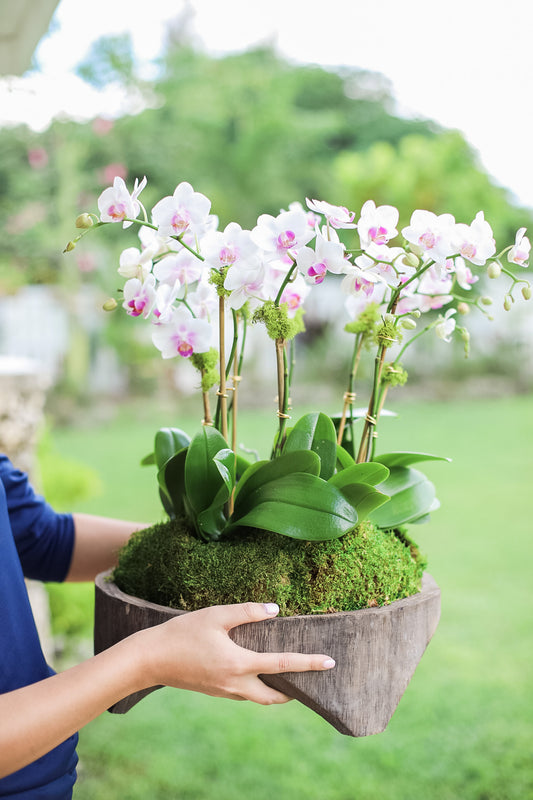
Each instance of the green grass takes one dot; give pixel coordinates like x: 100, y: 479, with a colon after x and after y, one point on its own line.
x: 464, y: 728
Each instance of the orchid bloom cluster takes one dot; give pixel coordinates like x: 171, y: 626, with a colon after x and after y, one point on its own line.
x: 169, y: 275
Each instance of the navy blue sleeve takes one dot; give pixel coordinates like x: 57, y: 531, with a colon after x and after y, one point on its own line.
x: 44, y: 538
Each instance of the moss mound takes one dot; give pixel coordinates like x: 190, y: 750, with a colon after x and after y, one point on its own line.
x: 365, y: 567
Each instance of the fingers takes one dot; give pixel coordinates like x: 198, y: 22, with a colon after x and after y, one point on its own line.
x: 238, y: 614
x: 273, y: 663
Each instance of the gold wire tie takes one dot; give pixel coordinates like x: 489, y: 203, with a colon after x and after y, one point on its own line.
x: 371, y: 420
x: 349, y: 397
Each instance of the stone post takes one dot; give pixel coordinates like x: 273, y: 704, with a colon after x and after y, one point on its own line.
x: 22, y: 396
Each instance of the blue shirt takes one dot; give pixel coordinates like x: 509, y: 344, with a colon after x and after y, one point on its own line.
x: 35, y: 542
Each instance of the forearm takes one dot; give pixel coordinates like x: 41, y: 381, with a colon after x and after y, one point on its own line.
x: 96, y: 544
x: 36, y: 718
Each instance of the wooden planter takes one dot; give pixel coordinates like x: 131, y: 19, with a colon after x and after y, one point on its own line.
x: 376, y: 650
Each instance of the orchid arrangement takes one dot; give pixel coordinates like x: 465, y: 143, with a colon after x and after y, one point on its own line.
x: 199, y: 288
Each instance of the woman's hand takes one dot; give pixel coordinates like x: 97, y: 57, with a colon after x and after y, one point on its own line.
x: 194, y: 651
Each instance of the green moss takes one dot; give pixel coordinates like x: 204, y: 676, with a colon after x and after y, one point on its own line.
x: 365, y: 567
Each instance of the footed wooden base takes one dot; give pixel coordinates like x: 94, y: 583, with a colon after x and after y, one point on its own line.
x: 376, y: 651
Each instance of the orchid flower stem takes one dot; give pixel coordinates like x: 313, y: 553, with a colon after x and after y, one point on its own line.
x: 286, y: 280
x: 208, y: 419
x: 349, y: 394
x: 283, y: 375
x: 223, y: 397
x: 369, y: 430
x: 411, y: 340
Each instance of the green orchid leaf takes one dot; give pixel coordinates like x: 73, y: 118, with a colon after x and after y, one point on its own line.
x: 211, y: 522
x: 344, y: 459
x: 225, y: 463
x: 368, y: 472
x: 405, y: 459
x: 301, y: 506
x: 263, y: 472
x: 364, y: 497
x: 315, y: 432
x: 241, y: 465
x: 203, y: 474
x: 411, y: 496
x: 168, y: 442
x: 171, y: 480
x: 148, y: 460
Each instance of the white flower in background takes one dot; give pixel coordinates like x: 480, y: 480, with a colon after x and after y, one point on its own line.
x: 385, y: 262
x: 183, y: 335
x: 336, y: 216
x: 156, y: 244
x: 134, y: 263
x: 519, y: 252
x: 232, y: 247
x: 377, y: 225
x: 182, y: 266
x: 433, y: 289
x: 463, y: 274
x: 431, y: 234
x: 283, y: 235
x: 294, y: 294
x: 329, y: 255
x: 312, y: 219
x: 185, y: 211
x: 165, y: 297
x: 475, y: 242
x: 358, y: 300
x: 203, y: 300
x: 116, y: 204
x: 245, y: 284
x: 139, y: 296
x: 446, y: 325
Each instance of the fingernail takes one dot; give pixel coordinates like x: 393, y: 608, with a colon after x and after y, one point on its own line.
x: 328, y: 663
x: 272, y: 608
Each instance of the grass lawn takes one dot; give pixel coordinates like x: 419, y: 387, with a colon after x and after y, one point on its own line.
x: 464, y: 728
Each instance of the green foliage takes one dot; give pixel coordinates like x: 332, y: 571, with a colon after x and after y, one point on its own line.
x: 65, y: 481
x: 277, y: 321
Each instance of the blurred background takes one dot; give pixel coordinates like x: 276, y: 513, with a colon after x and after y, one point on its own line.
x: 258, y: 107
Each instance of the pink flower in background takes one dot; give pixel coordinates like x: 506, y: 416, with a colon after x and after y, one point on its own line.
x: 139, y: 296
x: 463, y: 274
x: 116, y: 204
x: 433, y: 290
x: 183, y: 335
x: 245, y: 284
x: 102, y: 126
x: 86, y: 262
x: 204, y: 300
x: 165, y: 296
x: 519, y: 252
x: 37, y: 158
x: 377, y: 225
x: 186, y: 210
x: 112, y: 171
x: 475, y: 242
x: 294, y: 294
x: 282, y: 235
x: 336, y: 216
x: 431, y: 235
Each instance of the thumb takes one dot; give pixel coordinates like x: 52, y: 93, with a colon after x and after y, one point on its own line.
x: 241, y: 613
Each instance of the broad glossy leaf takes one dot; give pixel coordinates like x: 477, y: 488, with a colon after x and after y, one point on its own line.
x: 225, y: 462
x: 203, y: 477
x: 344, y: 458
x: 368, y: 472
x: 148, y: 460
x: 171, y: 479
x: 405, y: 459
x: 262, y: 472
x: 411, y: 496
x: 315, y: 432
x: 211, y: 522
x: 301, y: 506
x: 168, y: 442
x: 364, y: 497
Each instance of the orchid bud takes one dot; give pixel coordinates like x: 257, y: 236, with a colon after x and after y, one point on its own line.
x: 486, y: 300
x: 110, y: 304
x: 508, y: 302
x: 411, y: 260
x: 389, y: 318
x: 70, y: 246
x: 494, y: 270
x: 463, y: 308
x: 416, y: 313
x: 408, y: 323
x: 526, y: 292
x: 84, y: 221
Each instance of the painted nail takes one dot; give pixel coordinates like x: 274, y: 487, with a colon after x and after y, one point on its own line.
x: 328, y: 663
x: 272, y: 608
